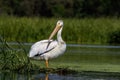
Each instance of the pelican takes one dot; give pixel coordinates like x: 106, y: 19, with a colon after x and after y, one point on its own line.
x: 48, y: 49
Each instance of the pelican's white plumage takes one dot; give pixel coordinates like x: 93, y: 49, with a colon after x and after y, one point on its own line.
x: 47, y: 49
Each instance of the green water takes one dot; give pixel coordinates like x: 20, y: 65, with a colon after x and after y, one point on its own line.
x: 82, y: 58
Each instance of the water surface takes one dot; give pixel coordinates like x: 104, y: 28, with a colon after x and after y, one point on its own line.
x: 78, y: 54
x: 54, y: 76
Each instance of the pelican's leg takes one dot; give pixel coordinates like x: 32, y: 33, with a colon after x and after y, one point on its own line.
x: 46, y: 61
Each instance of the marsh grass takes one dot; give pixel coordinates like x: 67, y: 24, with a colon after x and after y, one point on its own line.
x: 84, y: 31
x: 11, y: 59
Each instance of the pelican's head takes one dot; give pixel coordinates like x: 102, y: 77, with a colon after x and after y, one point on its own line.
x: 59, y: 23
x: 57, y: 28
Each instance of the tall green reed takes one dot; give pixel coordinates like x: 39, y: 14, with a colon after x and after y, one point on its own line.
x: 84, y: 31
x: 11, y: 59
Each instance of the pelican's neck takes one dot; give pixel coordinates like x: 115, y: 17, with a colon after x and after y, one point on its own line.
x: 59, y: 38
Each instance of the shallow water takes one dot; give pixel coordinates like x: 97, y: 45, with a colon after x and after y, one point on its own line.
x: 72, y: 49
x: 51, y: 76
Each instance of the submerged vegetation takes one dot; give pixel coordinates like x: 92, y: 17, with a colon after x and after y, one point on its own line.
x: 12, y: 59
x: 84, y: 31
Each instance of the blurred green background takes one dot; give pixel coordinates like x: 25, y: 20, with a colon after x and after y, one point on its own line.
x: 60, y: 8
x: 85, y: 21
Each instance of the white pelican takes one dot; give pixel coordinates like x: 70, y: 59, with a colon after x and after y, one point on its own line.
x: 47, y: 49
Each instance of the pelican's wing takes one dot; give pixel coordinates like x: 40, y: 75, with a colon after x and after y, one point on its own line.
x: 39, y: 48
